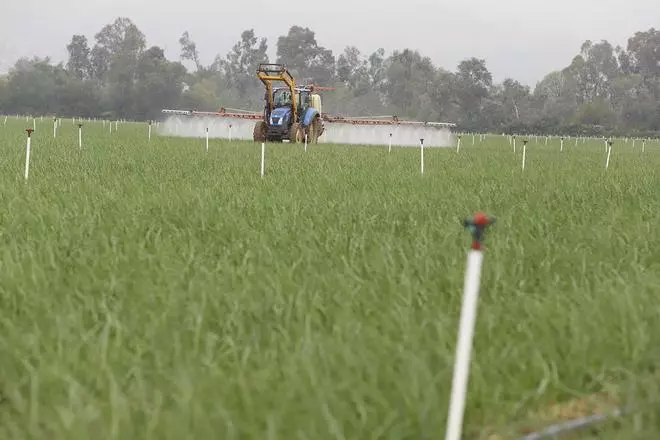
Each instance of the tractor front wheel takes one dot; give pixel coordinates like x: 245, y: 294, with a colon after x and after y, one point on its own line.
x: 260, y: 131
x: 295, y: 133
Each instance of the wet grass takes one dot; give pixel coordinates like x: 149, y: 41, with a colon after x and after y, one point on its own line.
x: 152, y: 290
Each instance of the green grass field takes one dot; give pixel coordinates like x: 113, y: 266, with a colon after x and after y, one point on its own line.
x: 151, y: 290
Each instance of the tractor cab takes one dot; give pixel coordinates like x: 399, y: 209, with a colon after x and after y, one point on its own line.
x: 290, y: 113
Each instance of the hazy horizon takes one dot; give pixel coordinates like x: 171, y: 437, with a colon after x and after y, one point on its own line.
x: 524, y: 40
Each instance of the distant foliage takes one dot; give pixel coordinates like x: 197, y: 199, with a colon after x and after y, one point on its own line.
x: 604, y: 90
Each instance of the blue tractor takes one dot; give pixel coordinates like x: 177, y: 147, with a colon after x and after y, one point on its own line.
x: 290, y: 113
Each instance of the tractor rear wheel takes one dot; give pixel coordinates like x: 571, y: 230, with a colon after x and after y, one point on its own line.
x: 295, y: 133
x: 315, y: 130
x: 260, y: 131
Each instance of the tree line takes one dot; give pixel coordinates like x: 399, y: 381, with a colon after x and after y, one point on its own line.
x: 605, y: 90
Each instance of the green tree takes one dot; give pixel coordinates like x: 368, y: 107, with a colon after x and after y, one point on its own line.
x: 79, y: 65
x: 240, y: 65
x: 353, y: 70
x: 189, y: 51
x: 473, y: 81
x: 158, y: 85
x: 308, y: 61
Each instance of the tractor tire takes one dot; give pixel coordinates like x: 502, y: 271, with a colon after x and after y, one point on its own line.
x: 296, y: 134
x: 260, y: 131
x: 311, y: 134
x: 316, y: 130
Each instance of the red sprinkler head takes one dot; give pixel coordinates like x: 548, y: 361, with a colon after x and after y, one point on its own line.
x: 477, y: 226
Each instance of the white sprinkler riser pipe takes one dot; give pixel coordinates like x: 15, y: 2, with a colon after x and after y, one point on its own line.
x: 607, y: 161
x: 421, y: 156
x: 27, y: 158
x: 263, y: 158
x: 464, y: 345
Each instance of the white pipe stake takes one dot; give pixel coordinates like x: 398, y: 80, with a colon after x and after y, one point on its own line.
x: 464, y: 345
x: 421, y: 155
x: 229, y: 132
x: 561, y: 145
x: 27, y: 154
x: 54, y: 128
x: 609, y: 153
x: 458, y: 144
x: 263, y: 158
x: 207, y: 139
x: 514, y: 144
x: 80, y: 136
x: 643, y: 146
x: 305, y: 142
x: 524, y: 154
x: 389, y: 150
x: 149, y: 130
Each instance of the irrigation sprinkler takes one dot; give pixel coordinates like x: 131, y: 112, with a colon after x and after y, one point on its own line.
x: 207, y: 139
x: 80, y: 136
x: 421, y: 155
x: 263, y: 158
x: 477, y: 226
x: 524, y: 153
x: 27, y: 152
x: 458, y: 144
x: 609, y: 153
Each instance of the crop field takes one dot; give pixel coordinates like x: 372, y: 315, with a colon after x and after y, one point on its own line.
x: 153, y: 290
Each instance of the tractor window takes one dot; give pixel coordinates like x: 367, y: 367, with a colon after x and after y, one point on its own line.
x: 304, y: 100
x: 282, y: 98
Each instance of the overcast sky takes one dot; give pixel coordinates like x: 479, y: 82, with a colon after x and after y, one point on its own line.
x: 523, y: 39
